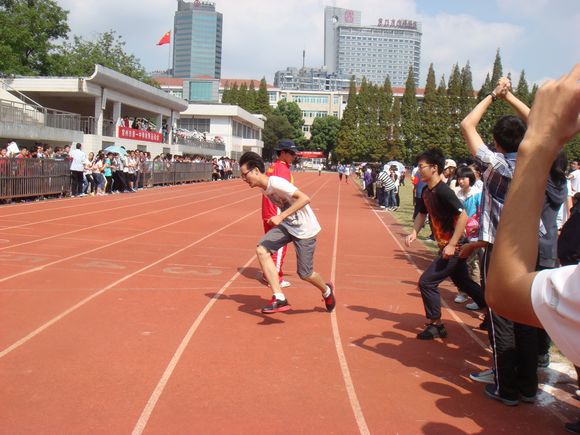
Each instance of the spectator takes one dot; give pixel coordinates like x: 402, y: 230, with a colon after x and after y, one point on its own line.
x: 78, y: 158
x: 548, y: 298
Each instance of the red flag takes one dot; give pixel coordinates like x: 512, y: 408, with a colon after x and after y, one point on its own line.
x: 165, y: 39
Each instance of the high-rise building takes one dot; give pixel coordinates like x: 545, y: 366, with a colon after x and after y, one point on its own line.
x: 375, y: 52
x: 197, y: 42
x: 310, y: 79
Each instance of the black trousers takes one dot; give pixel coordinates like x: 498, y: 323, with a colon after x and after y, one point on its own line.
x: 515, y: 351
x: 454, y: 268
x: 77, y: 182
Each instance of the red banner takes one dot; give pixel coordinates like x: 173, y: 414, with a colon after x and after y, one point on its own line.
x: 310, y: 154
x: 133, y: 133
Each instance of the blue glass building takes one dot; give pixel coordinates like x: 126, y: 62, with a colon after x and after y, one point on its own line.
x: 197, y: 41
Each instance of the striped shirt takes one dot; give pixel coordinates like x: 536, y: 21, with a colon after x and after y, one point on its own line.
x: 385, y: 181
x: 497, y: 176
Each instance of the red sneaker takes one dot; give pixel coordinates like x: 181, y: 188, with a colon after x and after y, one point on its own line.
x: 276, y: 306
x: 330, y: 301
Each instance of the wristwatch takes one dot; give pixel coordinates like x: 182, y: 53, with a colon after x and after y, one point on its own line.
x: 493, y: 96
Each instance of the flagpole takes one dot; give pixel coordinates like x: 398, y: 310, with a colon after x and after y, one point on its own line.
x: 169, y: 55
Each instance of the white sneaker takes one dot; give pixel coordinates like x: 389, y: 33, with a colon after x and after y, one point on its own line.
x: 472, y: 306
x: 486, y: 376
x: 284, y: 284
x: 460, y: 298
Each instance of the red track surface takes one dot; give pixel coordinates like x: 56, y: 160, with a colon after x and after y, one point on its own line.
x: 140, y: 313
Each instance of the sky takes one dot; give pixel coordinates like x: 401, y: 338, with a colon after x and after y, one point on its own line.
x: 261, y: 37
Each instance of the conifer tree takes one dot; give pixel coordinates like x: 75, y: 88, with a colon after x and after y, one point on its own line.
x: 385, y: 118
x: 467, y: 93
x: 243, y: 99
x: 251, y: 98
x: 428, y: 113
x: 533, y: 94
x: 455, y: 113
x: 262, y: 99
x: 443, y: 140
x: 233, y: 94
x: 409, y: 119
x: 394, y: 151
x: 522, y: 90
x: 348, y: 134
x: 226, y: 93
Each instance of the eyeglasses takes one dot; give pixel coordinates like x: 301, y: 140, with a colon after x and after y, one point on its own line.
x: 243, y: 174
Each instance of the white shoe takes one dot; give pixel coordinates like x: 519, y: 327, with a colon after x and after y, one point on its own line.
x: 472, y: 306
x: 284, y: 284
x: 460, y: 298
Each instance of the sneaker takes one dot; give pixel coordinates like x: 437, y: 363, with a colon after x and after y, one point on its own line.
x: 284, y: 284
x: 330, y: 301
x: 472, y: 306
x: 460, y: 298
x: 573, y: 427
x: 492, y: 392
x: 528, y: 399
x: 486, y: 376
x: 276, y: 306
x: 544, y: 360
x: 432, y: 331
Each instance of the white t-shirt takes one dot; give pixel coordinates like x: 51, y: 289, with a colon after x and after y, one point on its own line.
x: 78, y: 159
x: 575, y: 181
x: 556, y: 301
x: 302, y: 224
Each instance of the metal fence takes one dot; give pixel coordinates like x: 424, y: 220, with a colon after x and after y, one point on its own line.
x: 22, y: 178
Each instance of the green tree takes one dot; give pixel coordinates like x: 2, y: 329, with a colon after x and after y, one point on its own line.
x: 455, y: 113
x: 292, y: 112
x: 395, y: 139
x: 28, y: 31
x: 324, y: 133
x: 428, y: 113
x: 348, y: 136
x: 262, y: 99
x: 522, y: 90
x: 409, y: 119
x: 276, y: 127
x: 243, y: 100
x: 251, y: 98
x: 80, y: 57
x: 467, y: 94
x: 443, y: 125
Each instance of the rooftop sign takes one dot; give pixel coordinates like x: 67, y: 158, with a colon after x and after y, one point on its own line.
x: 399, y: 24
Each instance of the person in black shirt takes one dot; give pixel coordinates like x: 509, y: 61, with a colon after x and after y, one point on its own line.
x: 448, y: 221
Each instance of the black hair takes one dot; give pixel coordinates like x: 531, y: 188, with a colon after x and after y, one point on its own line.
x: 508, y: 132
x: 252, y: 161
x: 79, y: 146
x: 558, y: 169
x: 466, y: 171
x: 433, y: 156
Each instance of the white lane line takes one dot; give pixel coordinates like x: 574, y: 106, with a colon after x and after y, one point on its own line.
x: 349, y: 384
x: 80, y: 254
x: 107, y: 209
x: 108, y: 223
x: 110, y: 286
x: 154, y: 398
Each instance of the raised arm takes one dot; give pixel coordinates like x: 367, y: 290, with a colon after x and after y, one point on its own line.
x: 554, y: 118
x: 471, y: 121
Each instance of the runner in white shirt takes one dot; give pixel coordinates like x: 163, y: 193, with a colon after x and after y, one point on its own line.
x: 296, y: 223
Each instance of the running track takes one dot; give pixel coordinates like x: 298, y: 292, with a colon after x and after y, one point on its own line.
x: 140, y: 314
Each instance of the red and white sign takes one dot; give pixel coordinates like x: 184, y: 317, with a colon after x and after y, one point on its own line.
x: 133, y: 133
x: 310, y: 154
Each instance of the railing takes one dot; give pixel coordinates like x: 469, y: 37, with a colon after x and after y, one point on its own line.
x: 208, y: 145
x: 88, y: 125
x: 21, y: 113
x: 21, y: 178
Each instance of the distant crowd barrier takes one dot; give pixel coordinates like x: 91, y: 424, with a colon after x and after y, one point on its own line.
x: 25, y: 178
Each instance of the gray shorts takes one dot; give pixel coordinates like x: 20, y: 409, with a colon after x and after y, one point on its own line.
x: 279, y: 236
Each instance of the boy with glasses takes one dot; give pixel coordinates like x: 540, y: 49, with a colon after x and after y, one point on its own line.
x: 296, y: 223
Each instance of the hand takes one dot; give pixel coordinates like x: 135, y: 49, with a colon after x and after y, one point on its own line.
x: 554, y: 117
x: 503, y: 87
x: 411, y: 238
x: 448, y: 251
x: 275, y: 220
x: 466, y: 250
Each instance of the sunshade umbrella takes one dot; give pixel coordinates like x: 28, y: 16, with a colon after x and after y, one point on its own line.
x: 399, y: 165
x: 116, y: 149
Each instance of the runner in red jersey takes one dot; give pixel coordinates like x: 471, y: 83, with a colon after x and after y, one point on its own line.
x: 286, y: 153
